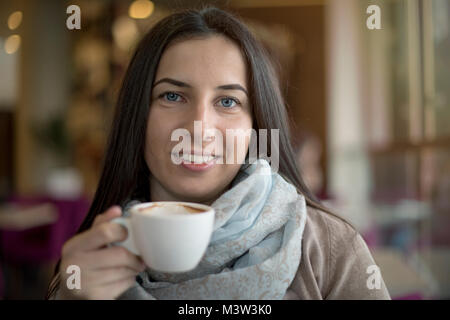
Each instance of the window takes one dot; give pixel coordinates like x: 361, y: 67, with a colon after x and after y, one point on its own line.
x: 413, y: 165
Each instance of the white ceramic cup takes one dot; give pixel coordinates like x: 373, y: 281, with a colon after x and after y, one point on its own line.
x: 170, y: 236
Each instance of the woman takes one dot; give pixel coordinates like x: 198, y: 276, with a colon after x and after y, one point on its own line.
x: 272, y: 239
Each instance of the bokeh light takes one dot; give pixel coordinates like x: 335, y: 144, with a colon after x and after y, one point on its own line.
x: 14, y: 20
x: 12, y: 44
x: 141, y: 9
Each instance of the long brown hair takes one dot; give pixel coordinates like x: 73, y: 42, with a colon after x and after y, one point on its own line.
x: 125, y: 174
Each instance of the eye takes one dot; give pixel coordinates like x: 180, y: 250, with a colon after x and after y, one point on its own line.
x: 228, y: 102
x: 171, y: 96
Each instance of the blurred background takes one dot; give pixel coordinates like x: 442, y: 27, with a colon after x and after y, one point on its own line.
x: 370, y: 108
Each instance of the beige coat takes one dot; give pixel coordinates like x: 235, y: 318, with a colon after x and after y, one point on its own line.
x: 334, y: 262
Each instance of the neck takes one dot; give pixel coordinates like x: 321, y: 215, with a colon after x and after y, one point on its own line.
x: 158, y: 193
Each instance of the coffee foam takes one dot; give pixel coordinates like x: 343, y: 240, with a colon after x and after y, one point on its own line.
x: 170, y: 209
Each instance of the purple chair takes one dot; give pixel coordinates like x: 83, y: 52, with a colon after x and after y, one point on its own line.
x: 43, y: 243
x: 1, y: 283
x: 38, y: 246
x: 412, y: 296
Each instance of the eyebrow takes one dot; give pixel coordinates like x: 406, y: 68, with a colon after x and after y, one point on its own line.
x: 233, y: 86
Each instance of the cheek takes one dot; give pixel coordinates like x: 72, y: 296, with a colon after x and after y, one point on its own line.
x: 157, y: 135
x: 236, y: 144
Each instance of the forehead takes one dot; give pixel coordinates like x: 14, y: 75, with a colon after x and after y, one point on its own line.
x: 213, y: 60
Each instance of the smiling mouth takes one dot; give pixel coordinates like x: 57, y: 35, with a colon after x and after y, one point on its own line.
x: 195, y: 158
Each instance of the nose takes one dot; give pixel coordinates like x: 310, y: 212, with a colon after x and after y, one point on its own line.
x: 201, y: 122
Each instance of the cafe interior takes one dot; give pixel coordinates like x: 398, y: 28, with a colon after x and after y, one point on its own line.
x: 367, y: 89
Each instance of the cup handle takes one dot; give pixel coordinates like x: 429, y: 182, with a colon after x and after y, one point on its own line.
x: 128, y: 243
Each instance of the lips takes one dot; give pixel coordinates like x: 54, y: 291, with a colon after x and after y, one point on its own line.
x: 196, y: 158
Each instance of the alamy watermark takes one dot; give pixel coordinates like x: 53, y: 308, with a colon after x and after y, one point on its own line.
x: 74, y: 280
x: 374, y: 20
x: 374, y: 279
x: 74, y: 20
x: 235, y: 139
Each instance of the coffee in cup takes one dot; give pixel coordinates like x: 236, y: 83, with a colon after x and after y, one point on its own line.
x: 170, y: 236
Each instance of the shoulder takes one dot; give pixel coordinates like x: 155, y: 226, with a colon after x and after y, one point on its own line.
x: 334, y: 259
x: 325, y: 237
x: 326, y: 228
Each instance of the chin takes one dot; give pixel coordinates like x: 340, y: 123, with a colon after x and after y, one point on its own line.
x: 196, y: 193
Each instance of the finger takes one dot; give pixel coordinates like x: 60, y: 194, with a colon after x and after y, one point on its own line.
x: 107, y: 276
x: 115, y: 289
x: 114, y: 257
x: 96, y: 238
x: 111, y: 213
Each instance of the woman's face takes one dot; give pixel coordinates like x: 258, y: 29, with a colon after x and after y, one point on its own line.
x: 197, y: 80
